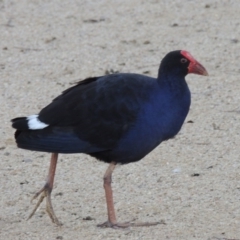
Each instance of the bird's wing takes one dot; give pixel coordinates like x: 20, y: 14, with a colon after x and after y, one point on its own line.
x: 99, y: 110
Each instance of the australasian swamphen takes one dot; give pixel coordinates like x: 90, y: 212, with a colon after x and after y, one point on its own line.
x: 117, y: 118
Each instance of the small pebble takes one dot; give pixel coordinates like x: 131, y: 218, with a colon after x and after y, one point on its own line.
x: 195, y: 175
x: 177, y: 170
x: 88, y: 218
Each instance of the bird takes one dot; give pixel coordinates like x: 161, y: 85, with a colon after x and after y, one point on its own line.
x: 117, y: 118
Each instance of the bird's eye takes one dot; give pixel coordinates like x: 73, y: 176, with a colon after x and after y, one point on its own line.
x: 183, y: 60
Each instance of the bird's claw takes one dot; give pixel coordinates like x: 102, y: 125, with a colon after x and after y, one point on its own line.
x: 108, y: 224
x: 45, y: 193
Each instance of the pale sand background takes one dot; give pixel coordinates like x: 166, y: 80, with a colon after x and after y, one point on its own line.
x: 46, y: 45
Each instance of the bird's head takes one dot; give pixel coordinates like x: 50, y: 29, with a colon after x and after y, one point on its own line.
x: 181, y: 62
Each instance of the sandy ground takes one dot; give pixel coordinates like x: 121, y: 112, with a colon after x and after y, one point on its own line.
x: 190, y: 183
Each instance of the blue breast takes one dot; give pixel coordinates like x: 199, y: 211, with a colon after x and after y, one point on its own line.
x: 160, y: 119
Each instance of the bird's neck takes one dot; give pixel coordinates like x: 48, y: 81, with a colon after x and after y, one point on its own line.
x: 173, y: 81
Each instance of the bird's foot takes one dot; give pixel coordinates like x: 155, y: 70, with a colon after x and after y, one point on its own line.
x: 45, y: 192
x: 108, y: 224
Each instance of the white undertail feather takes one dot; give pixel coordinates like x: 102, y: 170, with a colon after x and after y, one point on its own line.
x: 34, y: 123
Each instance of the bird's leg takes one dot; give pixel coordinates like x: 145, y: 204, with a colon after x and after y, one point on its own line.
x: 107, y: 180
x: 46, y: 191
x: 112, y: 221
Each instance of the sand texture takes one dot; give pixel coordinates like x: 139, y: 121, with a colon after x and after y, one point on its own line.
x: 190, y: 183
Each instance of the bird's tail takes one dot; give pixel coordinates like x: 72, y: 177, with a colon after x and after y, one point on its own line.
x: 31, y: 122
x: 53, y: 139
x: 20, y: 123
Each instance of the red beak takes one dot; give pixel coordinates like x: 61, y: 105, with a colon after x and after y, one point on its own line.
x: 197, y: 68
x: 194, y: 66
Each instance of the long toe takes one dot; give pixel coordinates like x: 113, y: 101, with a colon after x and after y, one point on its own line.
x: 50, y: 211
x: 45, y: 193
x: 108, y: 224
x: 42, y: 194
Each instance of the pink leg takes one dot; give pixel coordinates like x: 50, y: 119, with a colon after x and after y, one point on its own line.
x: 112, y: 221
x: 46, y: 191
